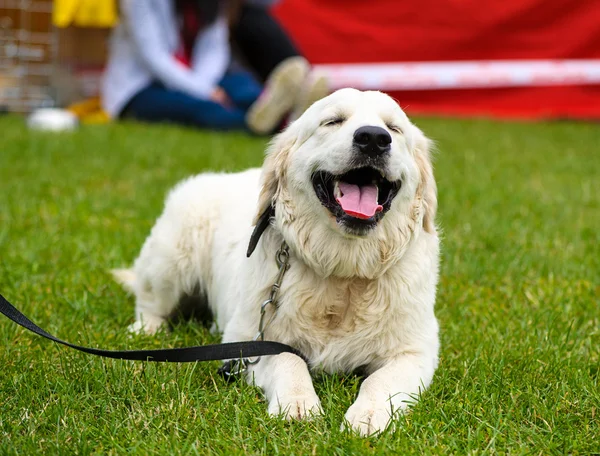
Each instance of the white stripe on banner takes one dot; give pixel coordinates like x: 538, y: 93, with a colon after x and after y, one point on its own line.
x: 463, y: 75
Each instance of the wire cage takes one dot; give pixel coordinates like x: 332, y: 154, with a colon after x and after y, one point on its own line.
x: 42, y: 65
x: 28, y: 53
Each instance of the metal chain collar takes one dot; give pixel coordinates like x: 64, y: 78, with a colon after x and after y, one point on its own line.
x: 283, y: 262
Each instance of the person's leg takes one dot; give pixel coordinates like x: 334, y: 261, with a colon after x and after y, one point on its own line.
x: 279, y: 96
x: 242, y: 88
x: 156, y: 103
x: 261, y: 40
x: 315, y: 88
x: 267, y: 49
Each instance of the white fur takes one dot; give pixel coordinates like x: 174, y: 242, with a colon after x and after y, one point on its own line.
x: 346, y: 301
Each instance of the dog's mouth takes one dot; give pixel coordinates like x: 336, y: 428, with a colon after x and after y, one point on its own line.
x: 358, y: 199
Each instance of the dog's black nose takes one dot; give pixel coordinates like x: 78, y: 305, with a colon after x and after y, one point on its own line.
x: 372, y: 140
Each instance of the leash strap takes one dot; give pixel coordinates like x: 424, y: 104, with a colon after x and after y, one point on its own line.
x: 215, y: 352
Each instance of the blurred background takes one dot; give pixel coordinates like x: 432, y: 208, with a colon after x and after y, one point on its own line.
x: 511, y: 58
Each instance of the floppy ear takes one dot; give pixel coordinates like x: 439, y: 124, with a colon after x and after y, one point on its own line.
x: 273, y: 176
x: 427, y: 189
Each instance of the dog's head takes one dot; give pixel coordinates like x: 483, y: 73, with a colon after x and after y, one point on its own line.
x: 349, y: 183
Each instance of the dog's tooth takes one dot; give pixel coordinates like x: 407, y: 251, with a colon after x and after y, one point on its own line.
x: 337, y: 193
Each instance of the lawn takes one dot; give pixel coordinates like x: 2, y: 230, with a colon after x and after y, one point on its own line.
x: 519, y: 211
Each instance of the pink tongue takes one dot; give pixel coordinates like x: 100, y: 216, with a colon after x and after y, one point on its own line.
x: 360, y: 202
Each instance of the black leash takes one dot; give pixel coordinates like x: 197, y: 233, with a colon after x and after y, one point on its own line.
x: 215, y: 352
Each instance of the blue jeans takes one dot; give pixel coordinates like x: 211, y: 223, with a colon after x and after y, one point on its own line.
x: 156, y: 103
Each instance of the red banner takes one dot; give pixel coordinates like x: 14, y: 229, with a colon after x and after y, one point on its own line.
x: 512, y: 58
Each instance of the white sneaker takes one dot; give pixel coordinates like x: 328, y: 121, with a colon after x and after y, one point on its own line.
x: 279, y: 96
x: 315, y: 88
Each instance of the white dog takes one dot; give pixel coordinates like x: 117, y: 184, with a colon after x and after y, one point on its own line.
x: 349, y: 187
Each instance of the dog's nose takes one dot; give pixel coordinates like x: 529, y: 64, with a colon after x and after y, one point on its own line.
x: 372, y: 140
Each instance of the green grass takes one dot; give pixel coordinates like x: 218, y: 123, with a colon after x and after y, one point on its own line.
x: 517, y: 303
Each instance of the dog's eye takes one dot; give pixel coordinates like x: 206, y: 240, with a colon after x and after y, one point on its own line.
x: 394, y: 128
x: 333, y: 122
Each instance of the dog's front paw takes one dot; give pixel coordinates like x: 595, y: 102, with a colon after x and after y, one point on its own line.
x: 296, y: 407
x: 368, y: 417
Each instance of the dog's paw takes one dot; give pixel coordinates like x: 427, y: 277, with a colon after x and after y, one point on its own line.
x: 368, y: 417
x: 150, y: 325
x: 296, y: 407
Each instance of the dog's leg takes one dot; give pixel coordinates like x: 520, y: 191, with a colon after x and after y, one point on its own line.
x: 146, y: 321
x: 287, y: 385
x: 388, y: 391
x: 148, y: 315
x: 147, y: 324
x: 152, y: 309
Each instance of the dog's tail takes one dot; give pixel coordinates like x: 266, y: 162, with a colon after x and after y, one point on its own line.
x: 125, y: 277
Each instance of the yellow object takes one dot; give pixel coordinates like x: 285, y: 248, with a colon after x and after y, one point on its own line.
x: 85, y: 13
x: 89, y: 111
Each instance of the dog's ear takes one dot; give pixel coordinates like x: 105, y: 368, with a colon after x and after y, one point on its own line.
x: 427, y: 189
x: 273, y: 176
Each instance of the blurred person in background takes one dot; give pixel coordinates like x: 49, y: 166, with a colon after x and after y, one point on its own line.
x: 263, y: 44
x: 170, y: 60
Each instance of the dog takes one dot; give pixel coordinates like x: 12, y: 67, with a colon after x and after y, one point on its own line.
x: 349, y: 188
